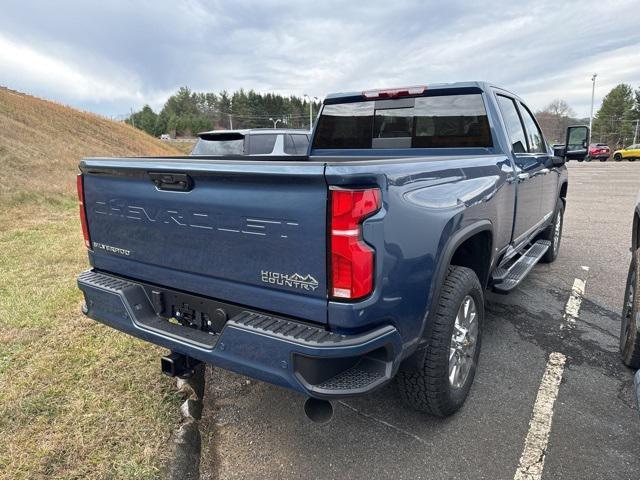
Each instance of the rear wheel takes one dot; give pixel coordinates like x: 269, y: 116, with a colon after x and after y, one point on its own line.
x: 617, y: 157
x: 629, y: 337
x: 603, y: 159
x: 440, y: 384
x: 553, y: 233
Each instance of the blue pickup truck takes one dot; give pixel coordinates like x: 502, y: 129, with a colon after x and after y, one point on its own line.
x: 334, y: 272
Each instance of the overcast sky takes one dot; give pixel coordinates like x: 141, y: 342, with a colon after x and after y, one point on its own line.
x: 114, y: 55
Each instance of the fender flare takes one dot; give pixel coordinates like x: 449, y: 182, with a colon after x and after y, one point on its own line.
x: 416, y: 359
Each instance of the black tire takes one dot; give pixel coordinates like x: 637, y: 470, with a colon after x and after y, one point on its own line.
x: 603, y: 159
x: 549, y: 234
x: 629, y: 336
x: 632, y: 159
x: 617, y: 157
x: 427, y: 387
x: 580, y: 159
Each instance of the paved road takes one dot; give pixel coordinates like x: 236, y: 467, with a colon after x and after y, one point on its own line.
x: 254, y: 430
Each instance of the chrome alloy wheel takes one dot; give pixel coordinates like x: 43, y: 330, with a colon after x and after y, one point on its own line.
x: 463, y: 342
x: 556, y: 232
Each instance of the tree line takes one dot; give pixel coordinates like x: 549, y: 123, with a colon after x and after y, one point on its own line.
x: 187, y: 113
x: 614, y: 123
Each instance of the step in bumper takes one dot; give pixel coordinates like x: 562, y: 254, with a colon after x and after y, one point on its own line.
x: 283, y: 351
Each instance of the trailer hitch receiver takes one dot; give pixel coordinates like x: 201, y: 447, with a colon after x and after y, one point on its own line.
x: 178, y: 365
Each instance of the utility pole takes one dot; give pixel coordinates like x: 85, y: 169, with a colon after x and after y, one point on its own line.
x: 230, y: 121
x: 593, y: 91
x: 310, y: 110
x: 635, y: 133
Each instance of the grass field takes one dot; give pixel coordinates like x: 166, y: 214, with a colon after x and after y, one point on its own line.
x: 77, y: 399
x: 184, y: 147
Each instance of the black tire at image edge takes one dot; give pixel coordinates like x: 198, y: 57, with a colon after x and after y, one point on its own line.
x: 629, y: 337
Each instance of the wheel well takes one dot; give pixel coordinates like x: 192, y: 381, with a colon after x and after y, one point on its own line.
x: 635, y: 233
x: 475, y: 253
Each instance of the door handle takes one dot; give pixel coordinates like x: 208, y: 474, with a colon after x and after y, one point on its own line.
x: 174, y: 182
x: 523, y: 176
x: 541, y: 172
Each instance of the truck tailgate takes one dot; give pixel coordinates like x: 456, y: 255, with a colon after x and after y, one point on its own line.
x: 242, y: 231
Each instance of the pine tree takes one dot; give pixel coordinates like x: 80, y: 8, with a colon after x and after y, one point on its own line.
x: 145, y: 120
x: 613, y: 124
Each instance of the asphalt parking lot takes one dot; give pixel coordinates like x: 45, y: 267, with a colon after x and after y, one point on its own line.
x: 255, y: 430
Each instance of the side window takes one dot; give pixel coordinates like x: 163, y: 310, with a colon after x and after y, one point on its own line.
x: 301, y: 143
x: 513, y: 124
x: 261, y: 144
x: 536, y: 141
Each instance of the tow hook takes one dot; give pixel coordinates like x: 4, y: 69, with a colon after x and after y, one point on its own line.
x: 178, y: 365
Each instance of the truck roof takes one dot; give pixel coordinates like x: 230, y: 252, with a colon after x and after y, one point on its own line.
x: 481, y: 85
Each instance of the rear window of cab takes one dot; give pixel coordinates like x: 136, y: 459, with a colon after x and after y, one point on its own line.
x: 443, y: 121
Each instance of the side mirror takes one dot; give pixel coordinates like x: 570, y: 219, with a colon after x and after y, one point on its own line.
x: 577, y: 143
x: 559, y: 151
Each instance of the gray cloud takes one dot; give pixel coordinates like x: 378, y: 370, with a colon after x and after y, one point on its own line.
x: 112, y: 56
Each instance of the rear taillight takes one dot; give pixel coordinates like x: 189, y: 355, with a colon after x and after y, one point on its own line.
x: 352, y: 260
x: 83, y: 212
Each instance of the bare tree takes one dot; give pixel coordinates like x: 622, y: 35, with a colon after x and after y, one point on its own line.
x: 559, y: 108
x: 554, y: 120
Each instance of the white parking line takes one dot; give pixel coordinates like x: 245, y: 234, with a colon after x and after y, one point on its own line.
x: 575, y: 300
x: 535, y: 445
x: 572, y: 308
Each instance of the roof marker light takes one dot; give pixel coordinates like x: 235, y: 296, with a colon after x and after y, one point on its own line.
x: 395, y: 92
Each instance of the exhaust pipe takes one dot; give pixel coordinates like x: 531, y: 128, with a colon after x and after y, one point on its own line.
x: 318, y: 411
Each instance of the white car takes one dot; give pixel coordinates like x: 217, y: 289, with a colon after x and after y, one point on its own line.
x: 165, y: 136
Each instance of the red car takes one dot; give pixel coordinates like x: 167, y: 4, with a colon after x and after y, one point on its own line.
x: 599, y: 151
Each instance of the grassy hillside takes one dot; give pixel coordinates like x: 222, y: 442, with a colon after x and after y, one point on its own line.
x: 77, y: 399
x: 41, y: 143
